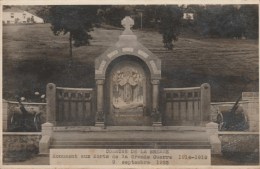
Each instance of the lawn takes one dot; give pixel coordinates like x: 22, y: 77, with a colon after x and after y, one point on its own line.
x: 33, y: 57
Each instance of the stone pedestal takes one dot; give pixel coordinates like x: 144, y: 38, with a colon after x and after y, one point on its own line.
x: 47, y: 130
x: 212, y: 131
x: 251, y: 110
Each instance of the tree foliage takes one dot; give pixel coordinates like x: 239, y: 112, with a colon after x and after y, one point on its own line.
x: 228, y: 21
x: 112, y: 15
x: 43, y: 12
x: 250, y: 17
x: 165, y: 19
x: 169, y: 18
x: 78, y: 21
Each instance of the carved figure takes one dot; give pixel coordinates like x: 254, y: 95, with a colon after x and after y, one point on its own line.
x: 127, y: 88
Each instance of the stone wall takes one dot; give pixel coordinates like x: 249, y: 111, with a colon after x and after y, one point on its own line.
x: 18, y: 146
x: 240, y: 145
x: 251, y: 109
x: 9, y: 107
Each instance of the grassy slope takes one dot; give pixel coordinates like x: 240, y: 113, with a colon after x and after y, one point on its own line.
x: 33, y: 56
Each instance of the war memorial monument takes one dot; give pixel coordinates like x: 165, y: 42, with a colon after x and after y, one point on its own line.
x: 128, y: 109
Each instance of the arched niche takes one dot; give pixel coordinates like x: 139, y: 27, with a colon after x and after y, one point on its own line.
x: 128, y: 92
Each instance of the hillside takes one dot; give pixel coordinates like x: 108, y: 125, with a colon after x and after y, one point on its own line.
x: 33, y: 57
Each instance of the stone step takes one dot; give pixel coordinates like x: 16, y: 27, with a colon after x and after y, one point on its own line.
x: 130, y: 144
x: 165, y: 143
x: 131, y: 136
x: 131, y: 139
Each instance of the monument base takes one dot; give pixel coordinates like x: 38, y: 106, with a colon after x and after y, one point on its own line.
x: 161, y: 137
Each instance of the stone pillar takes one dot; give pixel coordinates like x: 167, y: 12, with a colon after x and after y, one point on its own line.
x: 51, y: 103
x: 47, y: 130
x: 157, y: 117
x: 205, y: 102
x: 100, y: 121
x: 251, y: 110
x: 212, y: 131
x: 5, y: 115
x: 155, y: 84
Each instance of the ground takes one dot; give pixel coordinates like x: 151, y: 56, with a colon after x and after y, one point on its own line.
x: 33, y: 57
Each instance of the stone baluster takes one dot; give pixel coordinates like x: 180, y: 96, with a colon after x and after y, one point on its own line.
x: 100, y: 104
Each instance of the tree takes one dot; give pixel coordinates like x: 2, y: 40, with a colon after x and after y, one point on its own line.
x: 6, y: 7
x: 249, y: 15
x: 43, y: 12
x: 149, y: 16
x: 169, y: 18
x: 227, y: 21
x: 113, y: 15
x: 78, y: 21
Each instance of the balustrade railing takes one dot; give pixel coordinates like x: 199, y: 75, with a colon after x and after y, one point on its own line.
x: 70, y: 106
x: 186, y: 106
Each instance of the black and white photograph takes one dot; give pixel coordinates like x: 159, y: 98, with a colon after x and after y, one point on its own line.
x: 130, y: 85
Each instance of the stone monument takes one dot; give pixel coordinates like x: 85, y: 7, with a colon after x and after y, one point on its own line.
x: 127, y: 77
x: 127, y: 108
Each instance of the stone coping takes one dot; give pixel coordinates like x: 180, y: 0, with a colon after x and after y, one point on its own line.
x: 26, y: 103
x: 237, y: 133
x: 240, y: 102
x: 129, y: 128
x: 80, y: 89
x: 21, y: 133
x: 186, y: 88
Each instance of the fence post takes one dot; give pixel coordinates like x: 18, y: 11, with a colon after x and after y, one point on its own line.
x: 51, y: 103
x: 205, y: 99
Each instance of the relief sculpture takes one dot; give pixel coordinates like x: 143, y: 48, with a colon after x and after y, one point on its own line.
x: 127, y: 86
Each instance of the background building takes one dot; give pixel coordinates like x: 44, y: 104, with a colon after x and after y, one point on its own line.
x: 16, y: 16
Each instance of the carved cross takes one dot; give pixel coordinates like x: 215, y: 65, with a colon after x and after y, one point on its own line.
x: 127, y: 22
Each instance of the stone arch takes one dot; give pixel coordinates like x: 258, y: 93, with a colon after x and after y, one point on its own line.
x: 151, y: 61
x: 133, y: 58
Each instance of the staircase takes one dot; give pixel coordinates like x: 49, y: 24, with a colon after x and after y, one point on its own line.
x: 130, y: 137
